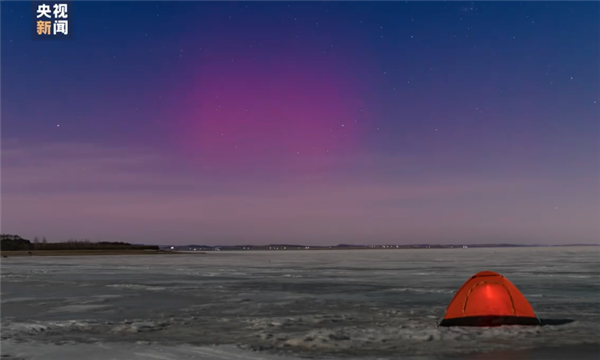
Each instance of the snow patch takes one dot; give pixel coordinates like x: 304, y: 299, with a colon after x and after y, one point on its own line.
x: 137, y: 287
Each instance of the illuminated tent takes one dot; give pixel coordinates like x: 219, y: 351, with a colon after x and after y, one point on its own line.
x: 489, y: 299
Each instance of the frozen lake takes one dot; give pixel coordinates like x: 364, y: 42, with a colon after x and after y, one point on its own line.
x: 364, y: 304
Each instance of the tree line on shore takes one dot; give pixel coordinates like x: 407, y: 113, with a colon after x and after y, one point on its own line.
x: 15, y: 243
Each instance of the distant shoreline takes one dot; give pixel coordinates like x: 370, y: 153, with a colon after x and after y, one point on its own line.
x: 19, y: 253
x: 185, y: 250
x: 198, y: 248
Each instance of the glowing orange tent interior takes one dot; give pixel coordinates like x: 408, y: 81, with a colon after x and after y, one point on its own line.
x: 489, y: 299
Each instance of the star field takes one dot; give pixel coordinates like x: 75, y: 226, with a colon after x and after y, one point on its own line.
x: 320, y: 122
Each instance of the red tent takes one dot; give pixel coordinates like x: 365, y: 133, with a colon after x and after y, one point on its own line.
x: 489, y: 299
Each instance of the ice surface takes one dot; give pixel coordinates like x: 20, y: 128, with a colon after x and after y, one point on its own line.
x: 281, y: 305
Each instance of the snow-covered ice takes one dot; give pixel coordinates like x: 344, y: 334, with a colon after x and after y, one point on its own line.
x: 377, y: 304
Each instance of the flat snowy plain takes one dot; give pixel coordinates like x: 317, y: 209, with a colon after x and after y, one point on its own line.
x: 366, y: 304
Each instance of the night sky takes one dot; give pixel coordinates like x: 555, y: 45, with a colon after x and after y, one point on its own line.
x: 317, y: 123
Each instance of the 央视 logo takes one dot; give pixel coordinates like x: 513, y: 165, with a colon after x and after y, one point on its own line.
x: 52, y: 20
